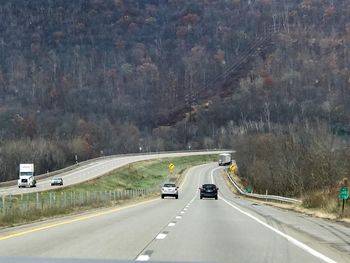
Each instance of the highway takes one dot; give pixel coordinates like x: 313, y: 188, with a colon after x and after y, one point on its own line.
x: 95, y: 169
x: 230, y: 229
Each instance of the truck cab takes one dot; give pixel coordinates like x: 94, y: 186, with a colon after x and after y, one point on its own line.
x: 26, y: 176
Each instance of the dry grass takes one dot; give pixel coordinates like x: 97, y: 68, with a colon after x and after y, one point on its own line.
x: 322, y: 204
x: 19, y: 217
x: 325, y: 203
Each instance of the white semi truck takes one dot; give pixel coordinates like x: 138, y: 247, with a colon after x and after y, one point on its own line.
x: 225, y: 159
x: 26, y: 175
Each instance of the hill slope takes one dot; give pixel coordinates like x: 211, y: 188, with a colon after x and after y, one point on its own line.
x: 98, y: 77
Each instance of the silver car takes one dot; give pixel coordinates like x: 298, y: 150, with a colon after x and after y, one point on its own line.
x: 56, y: 181
x: 169, y: 189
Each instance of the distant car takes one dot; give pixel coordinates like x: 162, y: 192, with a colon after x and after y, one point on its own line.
x: 56, y: 181
x: 208, y: 191
x: 169, y: 189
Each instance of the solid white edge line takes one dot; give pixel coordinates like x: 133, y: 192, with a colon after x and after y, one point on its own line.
x: 212, y: 174
x: 289, y: 238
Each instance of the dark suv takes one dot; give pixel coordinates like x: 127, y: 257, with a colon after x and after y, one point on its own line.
x: 208, y: 191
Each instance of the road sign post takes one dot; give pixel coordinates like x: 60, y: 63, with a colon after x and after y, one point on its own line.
x: 171, y: 168
x: 343, y: 195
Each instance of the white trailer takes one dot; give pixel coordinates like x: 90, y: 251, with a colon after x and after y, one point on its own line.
x: 225, y: 159
x: 26, y: 175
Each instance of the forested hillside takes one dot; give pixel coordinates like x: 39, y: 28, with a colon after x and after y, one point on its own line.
x: 96, y: 77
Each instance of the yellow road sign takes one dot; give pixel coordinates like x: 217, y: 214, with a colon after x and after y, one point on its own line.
x: 233, y: 168
x: 171, y: 166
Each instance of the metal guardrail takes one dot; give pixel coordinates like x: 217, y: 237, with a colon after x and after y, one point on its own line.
x: 262, y: 197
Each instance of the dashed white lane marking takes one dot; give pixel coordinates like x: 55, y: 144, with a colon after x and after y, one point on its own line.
x: 143, y: 258
x: 161, y: 236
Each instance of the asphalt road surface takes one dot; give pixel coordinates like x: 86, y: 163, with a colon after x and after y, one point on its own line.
x: 230, y: 229
x: 94, y: 169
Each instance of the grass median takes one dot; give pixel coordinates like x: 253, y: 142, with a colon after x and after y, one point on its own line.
x: 130, y: 183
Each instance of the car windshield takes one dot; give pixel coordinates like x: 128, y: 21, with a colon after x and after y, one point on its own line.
x: 169, y: 185
x: 209, y: 186
x: 26, y: 173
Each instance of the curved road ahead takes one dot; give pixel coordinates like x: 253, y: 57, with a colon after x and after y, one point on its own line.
x: 188, y: 229
x: 94, y: 169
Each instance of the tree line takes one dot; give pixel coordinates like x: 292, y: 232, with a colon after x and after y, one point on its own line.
x: 102, y: 77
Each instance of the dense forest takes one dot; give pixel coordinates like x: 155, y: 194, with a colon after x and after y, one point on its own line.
x: 98, y: 77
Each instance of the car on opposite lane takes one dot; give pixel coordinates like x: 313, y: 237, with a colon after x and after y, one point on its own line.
x: 208, y: 191
x: 169, y: 189
x: 56, y: 181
